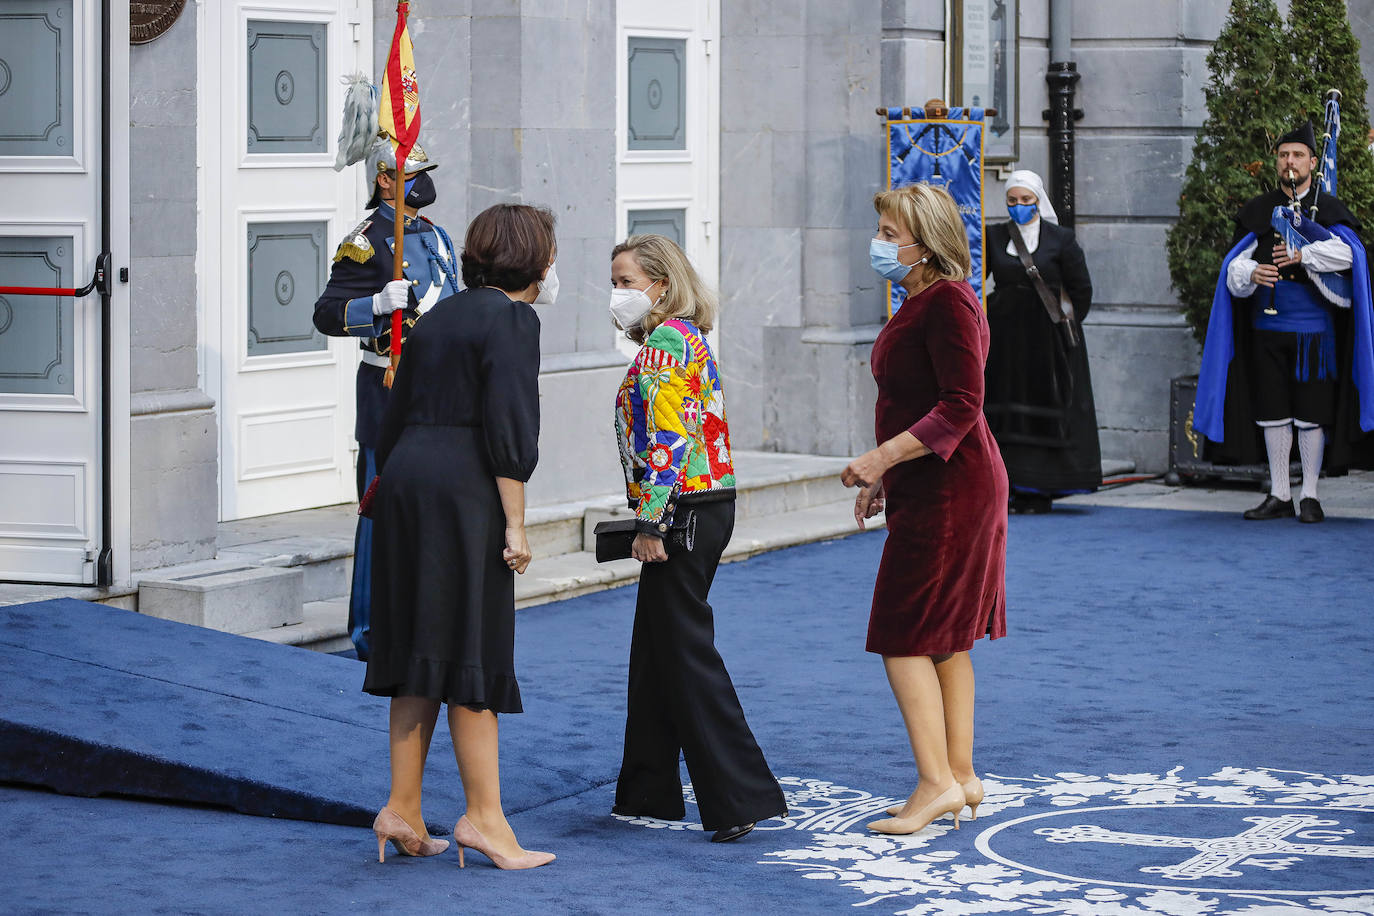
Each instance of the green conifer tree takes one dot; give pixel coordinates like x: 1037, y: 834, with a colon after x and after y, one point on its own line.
x: 1251, y: 101
x: 1328, y: 57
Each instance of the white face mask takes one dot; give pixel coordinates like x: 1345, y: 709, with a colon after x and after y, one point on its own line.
x: 548, y: 287
x: 629, y: 306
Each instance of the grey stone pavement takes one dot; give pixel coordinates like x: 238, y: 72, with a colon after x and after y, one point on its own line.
x: 1350, y: 496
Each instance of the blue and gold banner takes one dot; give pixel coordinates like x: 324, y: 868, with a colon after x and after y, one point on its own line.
x: 948, y: 153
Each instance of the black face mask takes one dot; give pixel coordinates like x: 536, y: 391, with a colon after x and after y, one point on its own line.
x: 422, y: 192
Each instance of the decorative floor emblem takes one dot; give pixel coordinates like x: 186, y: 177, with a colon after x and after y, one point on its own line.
x: 1218, y: 857
x: 1297, y: 854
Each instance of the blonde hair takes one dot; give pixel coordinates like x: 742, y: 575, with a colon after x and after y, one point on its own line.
x: 932, y: 218
x: 684, y: 295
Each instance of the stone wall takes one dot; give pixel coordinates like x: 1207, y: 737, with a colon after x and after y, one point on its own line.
x: 518, y: 100
x: 1142, y: 96
x: 1141, y: 93
x: 173, y: 439
x: 800, y: 149
x: 1361, y: 14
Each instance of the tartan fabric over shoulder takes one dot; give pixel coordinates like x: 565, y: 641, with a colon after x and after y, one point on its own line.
x: 670, y: 424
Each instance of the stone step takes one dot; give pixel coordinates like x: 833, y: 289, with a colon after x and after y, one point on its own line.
x: 1117, y: 467
x: 313, y: 549
x: 319, y: 542
x: 323, y: 628
x: 573, y: 574
x: 123, y: 597
x: 325, y: 563
x: 568, y: 575
x: 770, y: 483
x: 234, y: 599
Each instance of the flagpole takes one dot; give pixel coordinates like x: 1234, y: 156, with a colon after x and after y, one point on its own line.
x: 398, y: 271
x: 404, y: 139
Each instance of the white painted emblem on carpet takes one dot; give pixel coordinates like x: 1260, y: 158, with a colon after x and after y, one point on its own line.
x: 1238, y: 842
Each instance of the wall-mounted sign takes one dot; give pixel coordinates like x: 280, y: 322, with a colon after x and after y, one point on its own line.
x: 985, y: 67
x: 150, y: 18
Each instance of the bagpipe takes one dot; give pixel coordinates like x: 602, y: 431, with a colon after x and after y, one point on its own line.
x: 1298, y: 230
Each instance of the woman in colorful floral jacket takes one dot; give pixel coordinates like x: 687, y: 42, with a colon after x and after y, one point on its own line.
x: 680, y: 480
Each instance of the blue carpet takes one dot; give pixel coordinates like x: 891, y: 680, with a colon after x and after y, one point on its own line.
x: 1178, y: 723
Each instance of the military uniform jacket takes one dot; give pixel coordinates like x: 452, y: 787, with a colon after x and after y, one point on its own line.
x: 363, y: 264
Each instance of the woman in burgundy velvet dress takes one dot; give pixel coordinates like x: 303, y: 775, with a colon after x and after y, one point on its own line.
x: 938, y: 472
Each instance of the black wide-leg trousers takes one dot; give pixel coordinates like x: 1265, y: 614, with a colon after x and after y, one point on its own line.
x: 681, y: 699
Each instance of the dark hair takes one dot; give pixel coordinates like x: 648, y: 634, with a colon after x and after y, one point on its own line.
x: 508, y: 246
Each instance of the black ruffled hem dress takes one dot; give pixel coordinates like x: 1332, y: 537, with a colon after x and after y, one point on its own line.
x: 464, y: 410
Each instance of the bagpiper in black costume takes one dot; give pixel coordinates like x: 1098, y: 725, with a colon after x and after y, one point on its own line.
x: 1290, y: 348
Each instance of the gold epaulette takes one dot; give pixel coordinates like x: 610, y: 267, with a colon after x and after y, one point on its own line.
x: 356, y: 247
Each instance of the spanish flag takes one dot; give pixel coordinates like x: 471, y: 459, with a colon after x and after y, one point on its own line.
x: 399, y: 119
x: 400, y: 91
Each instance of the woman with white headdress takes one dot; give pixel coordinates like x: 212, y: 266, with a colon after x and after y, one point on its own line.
x: 1039, y: 397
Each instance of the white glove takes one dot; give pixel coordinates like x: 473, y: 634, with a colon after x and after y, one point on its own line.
x: 395, y: 295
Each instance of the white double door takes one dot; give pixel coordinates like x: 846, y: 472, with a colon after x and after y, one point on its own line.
x: 668, y: 126
x: 273, y: 211
x: 50, y: 236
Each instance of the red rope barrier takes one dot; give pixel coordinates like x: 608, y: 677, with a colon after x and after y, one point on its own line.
x: 38, y: 291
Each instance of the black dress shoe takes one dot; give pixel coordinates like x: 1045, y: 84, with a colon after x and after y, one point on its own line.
x: 726, y: 834
x: 1310, y: 511
x: 1271, y: 508
x: 1029, y: 504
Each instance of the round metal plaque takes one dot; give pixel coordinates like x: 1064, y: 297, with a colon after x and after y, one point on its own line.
x: 150, y: 18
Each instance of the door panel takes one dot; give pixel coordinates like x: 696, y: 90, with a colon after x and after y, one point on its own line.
x: 38, y: 47
x: 50, y: 439
x: 287, y: 92
x: 656, y: 85
x: 285, y: 273
x: 667, y: 222
x: 36, y: 333
x: 285, y: 392
x: 668, y: 127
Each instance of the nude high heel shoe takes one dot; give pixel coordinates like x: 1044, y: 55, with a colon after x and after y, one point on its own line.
x: 466, y: 835
x: 950, y: 801
x: 973, y: 797
x: 391, y: 826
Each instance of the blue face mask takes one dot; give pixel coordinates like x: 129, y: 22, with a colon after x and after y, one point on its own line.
x: 1021, y: 214
x: 883, y: 256
x: 411, y: 183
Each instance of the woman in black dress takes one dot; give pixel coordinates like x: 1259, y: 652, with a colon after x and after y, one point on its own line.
x: 1039, y: 395
x: 459, y: 441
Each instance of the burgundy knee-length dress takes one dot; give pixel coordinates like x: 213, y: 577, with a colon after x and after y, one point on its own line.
x: 941, y: 583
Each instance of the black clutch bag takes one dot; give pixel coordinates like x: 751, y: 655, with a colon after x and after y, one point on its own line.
x: 614, y: 537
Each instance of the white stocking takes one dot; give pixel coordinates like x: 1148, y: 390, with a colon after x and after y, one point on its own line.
x: 1311, y: 444
x: 1278, y: 442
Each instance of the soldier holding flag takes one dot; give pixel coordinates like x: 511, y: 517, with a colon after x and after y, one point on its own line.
x: 372, y: 295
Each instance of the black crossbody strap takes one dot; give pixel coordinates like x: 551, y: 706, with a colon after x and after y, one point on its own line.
x: 1061, y: 310
x: 1046, y: 297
